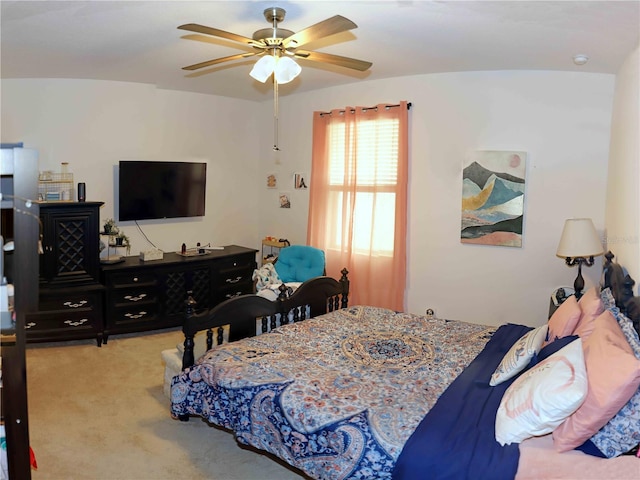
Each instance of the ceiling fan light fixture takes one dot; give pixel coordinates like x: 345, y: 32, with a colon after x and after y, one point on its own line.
x: 286, y: 70
x: 263, y: 68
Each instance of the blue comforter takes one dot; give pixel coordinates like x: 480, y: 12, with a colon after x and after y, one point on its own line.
x: 456, y: 439
x: 336, y: 396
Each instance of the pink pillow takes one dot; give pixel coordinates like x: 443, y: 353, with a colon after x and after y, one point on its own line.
x: 613, y: 373
x: 591, y: 307
x: 564, y: 320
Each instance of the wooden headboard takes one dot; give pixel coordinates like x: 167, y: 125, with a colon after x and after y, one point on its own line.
x: 314, y: 297
x: 621, y: 284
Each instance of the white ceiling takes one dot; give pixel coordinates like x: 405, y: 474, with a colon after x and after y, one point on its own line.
x: 137, y: 41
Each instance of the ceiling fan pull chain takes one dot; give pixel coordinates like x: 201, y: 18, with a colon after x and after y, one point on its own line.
x: 275, y: 114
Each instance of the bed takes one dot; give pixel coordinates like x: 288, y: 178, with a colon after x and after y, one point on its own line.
x: 364, y: 392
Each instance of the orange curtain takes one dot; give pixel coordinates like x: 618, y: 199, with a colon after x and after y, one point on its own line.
x: 357, y: 208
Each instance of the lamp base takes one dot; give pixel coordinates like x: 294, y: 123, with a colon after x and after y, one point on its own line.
x: 578, y: 284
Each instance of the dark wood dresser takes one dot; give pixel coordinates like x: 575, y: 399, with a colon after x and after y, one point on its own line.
x: 70, y: 300
x: 149, y: 295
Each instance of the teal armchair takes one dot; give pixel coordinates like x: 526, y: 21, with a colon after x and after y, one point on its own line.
x: 299, y: 263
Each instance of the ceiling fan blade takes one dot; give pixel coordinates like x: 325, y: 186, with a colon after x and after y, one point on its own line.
x: 208, y: 63
x: 330, y: 26
x: 347, y: 62
x: 194, y: 27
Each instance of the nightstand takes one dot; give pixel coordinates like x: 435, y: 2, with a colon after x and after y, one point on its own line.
x: 558, y: 296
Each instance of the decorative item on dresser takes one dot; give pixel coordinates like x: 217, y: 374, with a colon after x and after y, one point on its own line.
x: 70, y: 302
x: 143, y: 296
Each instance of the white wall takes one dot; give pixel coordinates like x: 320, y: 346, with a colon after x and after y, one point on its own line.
x: 94, y: 124
x: 623, y: 199
x: 562, y: 120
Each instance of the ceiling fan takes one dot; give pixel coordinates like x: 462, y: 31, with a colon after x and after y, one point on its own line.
x: 280, y: 43
x: 276, y: 47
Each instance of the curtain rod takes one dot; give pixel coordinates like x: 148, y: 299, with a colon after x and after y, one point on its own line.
x: 367, y: 108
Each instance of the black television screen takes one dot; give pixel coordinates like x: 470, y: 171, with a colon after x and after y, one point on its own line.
x: 152, y: 190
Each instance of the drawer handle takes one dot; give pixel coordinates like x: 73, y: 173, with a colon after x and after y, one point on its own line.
x: 232, y: 295
x: 136, y: 298
x: 135, y: 316
x: 29, y: 325
x: 135, y: 279
x: 78, y: 323
x: 233, y: 280
x: 81, y: 303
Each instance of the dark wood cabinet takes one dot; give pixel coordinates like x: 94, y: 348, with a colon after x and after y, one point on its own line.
x: 70, y: 243
x: 150, y: 295
x: 71, y: 296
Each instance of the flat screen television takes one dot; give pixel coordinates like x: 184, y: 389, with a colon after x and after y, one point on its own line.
x: 150, y: 190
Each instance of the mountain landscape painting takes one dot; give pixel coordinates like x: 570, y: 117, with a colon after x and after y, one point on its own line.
x: 493, y: 198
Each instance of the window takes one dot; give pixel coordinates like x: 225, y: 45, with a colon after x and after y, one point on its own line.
x: 375, y: 177
x: 358, y: 199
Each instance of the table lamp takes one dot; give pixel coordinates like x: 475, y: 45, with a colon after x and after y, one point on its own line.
x: 579, y: 243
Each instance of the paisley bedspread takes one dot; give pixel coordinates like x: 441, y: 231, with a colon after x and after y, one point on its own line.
x: 336, y: 396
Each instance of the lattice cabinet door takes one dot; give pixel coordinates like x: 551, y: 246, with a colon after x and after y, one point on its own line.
x: 178, y: 283
x: 70, y: 243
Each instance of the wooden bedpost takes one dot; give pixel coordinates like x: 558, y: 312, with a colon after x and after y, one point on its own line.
x: 344, y: 281
x: 188, y: 358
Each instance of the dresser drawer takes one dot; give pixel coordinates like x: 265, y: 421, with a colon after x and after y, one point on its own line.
x: 233, y: 274
x: 135, y: 296
x: 247, y: 261
x: 233, y: 290
x: 135, y: 314
x: 68, y: 302
x: 129, y: 279
x: 49, y: 326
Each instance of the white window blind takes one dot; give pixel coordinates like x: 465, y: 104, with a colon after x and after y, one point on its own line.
x: 368, y: 166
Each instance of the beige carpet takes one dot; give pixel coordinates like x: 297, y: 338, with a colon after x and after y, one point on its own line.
x: 99, y: 413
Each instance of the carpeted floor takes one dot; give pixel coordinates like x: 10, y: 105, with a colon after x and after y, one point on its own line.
x: 99, y: 413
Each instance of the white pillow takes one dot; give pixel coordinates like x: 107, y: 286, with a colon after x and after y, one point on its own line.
x: 519, y: 356
x: 542, y: 398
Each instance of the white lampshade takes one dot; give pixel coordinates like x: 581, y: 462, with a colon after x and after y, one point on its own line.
x: 286, y: 70
x: 263, y: 68
x: 579, y: 239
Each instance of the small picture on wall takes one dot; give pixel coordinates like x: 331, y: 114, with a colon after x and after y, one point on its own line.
x: 493, y: 185
x: 300, y: 181
x: 285, y: 201
x: 272, y: 181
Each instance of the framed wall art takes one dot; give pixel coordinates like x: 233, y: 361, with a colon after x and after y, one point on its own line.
x: 285, y: 200
x: 493, y: 187
x: 272, y: 180
x: 300, y: 181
